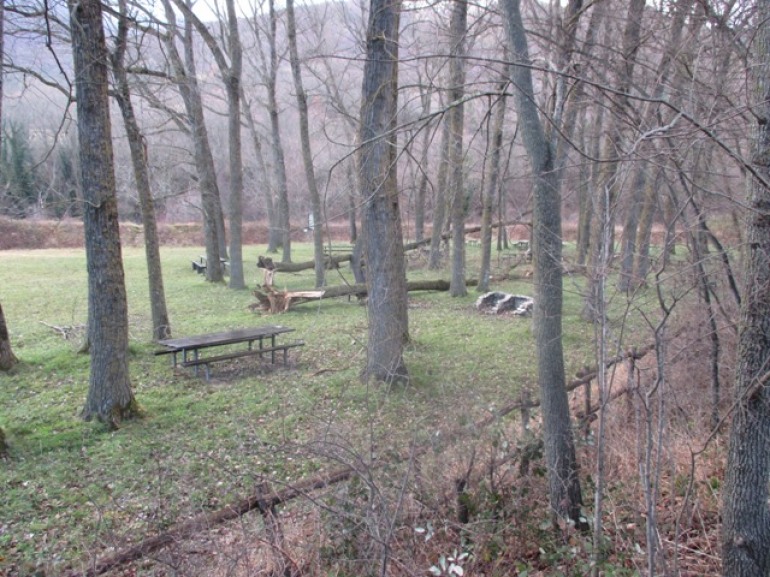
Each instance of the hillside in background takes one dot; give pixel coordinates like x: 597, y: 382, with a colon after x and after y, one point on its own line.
x: 68, y: 233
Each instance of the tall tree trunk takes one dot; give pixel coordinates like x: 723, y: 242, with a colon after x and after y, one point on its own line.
x: 7, y: 358
x: 352, y: 187
x: 381, y: 219
x: 563, y: 482
x: 426, y: 96
x: 630, y: 225
x: 110, y: 398
x: 267, y: 185
x: 186, y: 80
x: 279, y: 164
x: 629, y: 245
x: 491, y: 193
x: 607, y: 185
x: 745, y: 513
x: 457, y: 29
x: 161, y: 326
x: 307, y: 155
x: 232, y: 78
x: 440, y: 199
x: 644, y: 231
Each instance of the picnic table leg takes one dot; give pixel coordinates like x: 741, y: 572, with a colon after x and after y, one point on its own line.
x: 195, y: 357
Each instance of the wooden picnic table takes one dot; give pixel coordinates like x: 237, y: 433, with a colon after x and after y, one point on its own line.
x: 190, y: 347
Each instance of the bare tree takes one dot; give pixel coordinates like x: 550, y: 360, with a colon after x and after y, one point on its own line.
x: 187, y: 83
x: 231, y: 76
x: 110, y: 398
x: 563, y: 482
x: 7, y: 358
x: 440, y: 197
x: 307, y: 155
x: 381, y: 218
x: 495, y: 140
x: 609, y: 177
x: 279, y: 163
x: 161, y: 326
x: 457, y: 29
x: 745, y: 514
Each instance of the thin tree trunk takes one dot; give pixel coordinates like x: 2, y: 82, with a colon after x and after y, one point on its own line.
x: 644, y: 232
x: 307, y: 155
x: 457, y: 30
x: 440, y: 199
x: 7, y: 358
x: 352, y: 188
x: 607, y: 187
x: 426, y: 95
x: 279, y: 164
x: 185, y: 77
x: 491, y: 194
x: 161, y: 326
x: 267, y: 186
x: 630, y: 229
x: 232, y: 79
x: 563, y: 481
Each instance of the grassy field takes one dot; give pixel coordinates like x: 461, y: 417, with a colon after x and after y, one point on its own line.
x: 72, y: 491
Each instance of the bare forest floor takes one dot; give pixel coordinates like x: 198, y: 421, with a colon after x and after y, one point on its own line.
x: 442, y: 478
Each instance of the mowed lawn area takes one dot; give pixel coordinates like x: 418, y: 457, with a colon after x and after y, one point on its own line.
x: 72, y: 491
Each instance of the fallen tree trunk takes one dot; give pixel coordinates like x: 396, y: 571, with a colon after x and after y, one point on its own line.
x: 332, y: 262
x: 275, y: 301
x: 468, y: 230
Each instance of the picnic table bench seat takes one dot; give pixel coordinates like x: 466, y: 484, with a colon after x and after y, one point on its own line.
x: 205, y: 361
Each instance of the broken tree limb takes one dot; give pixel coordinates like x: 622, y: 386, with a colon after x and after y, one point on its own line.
x: 274, y: 301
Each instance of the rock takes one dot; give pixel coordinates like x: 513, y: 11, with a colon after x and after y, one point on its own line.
x: 496, y: 302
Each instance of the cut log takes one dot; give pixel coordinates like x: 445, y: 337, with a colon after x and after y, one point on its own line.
x: 275, y: 301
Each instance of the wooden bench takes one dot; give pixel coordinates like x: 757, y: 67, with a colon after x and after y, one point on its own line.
x: 331, y: 250
x: 205, y: 361
x: 199, y: 265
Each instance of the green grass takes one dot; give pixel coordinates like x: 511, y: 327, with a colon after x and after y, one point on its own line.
x: 70, y: 488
